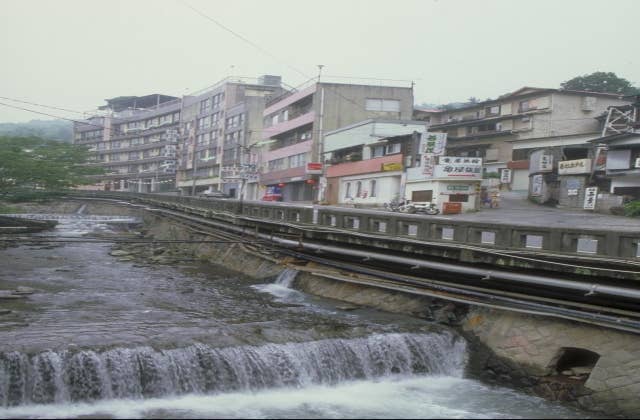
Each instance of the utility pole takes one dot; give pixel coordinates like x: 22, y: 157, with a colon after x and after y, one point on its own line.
x: 322, y: 180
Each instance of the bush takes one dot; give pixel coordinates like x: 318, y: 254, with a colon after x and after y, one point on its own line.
x: 632, y: 209
x: 31, y: 195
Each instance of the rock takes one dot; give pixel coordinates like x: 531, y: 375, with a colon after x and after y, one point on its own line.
x: 118, y: 253
x: 159, y: 251
x: 348, y: 307
x: 23, y: 290
x: 581, y: 370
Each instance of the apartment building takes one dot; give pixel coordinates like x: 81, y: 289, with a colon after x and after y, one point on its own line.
x: 367, y: 160
x: 505, y: 132
x: 220, y: 129
x: 617, y: 152
x: 135, y: 139
x: 294, y: 127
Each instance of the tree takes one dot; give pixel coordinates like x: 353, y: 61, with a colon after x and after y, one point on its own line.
x: 601, y: 82
x: 35, y: 163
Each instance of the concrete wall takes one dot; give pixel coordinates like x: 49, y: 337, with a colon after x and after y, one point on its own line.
x: 535, y: 342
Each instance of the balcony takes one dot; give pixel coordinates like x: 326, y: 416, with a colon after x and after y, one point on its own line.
x: 282, y: 102
x: 284, y: 152
x: 363, y: 166
x: 289, y: 125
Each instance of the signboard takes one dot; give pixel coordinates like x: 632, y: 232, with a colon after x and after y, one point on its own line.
x: 314, y: 168
x: 458, y: 167
x: 395, y: 166
x: 451, y: 208
x: 546, y: 163
x: 505, y: 176
x: 590, y: 195
x: 536, y: 185
x: 431, y: 146
x: 238, y: 173
x: 579, y: 166
x: 433, y: 143
x: 571, y: 192
x: 428, y: 165
x: 458, y: 187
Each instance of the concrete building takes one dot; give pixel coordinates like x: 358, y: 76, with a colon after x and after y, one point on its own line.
x: 221, y: 127
x: 135, y: 139
x: 366, y: 160
x: 505, y: 131
x: 617, y: 153
x: 295, y: 124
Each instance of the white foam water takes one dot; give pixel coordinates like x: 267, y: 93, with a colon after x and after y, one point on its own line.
x: 281, y: 288
x: 397, y: 397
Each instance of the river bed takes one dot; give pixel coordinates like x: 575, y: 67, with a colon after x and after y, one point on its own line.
x: 104, y: 337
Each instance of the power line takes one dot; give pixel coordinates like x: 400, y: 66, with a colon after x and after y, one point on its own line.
x: 51, y: 115
x: 253, y: 44
x: 43, y: 106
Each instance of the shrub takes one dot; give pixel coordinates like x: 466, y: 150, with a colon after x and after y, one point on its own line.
x: 632, y: 209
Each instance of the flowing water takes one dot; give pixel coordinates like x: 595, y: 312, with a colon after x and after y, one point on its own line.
x: 104, y: 337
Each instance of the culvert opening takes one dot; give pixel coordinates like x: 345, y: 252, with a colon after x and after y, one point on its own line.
x: 576, y: 361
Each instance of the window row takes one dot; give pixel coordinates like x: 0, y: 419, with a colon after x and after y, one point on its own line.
x: 359, y: 189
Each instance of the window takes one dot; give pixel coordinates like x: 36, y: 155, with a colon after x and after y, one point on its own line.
x: 524, y: 106
x: 285, y: 115
x: 274, y: 119
x: 384, y: 105
x: 372, y: 188
x: 392, y: 148
x: 296, y: 161
x: 459, y: 198
x: 205, y: 106
x: 358, y: 189
x: 347, y: 193
x: 378, y: 151
x: 492, y: 110
x: 277, y: 164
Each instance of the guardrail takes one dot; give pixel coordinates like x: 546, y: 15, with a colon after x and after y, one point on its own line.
x: 413, y: 228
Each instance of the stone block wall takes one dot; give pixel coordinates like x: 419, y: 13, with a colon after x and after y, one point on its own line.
x: 535, y: 342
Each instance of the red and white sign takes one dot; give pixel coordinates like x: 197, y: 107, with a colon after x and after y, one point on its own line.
x: 314, y: 168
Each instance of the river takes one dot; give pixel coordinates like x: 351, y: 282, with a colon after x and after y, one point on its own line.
x: 103, y: 337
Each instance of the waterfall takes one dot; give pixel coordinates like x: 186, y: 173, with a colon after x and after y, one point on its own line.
x: 143, y: 372
x: 286, y: 277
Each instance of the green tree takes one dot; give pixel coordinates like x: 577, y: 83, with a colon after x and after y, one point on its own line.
x: 601, y: 82
x: 35, y: 163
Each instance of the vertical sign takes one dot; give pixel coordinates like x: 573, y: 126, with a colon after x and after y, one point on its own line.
x: 536, y: 185
x: 431, y: 145
x: 505, y: 176
x: 590, y: 195
x: 546, y: 163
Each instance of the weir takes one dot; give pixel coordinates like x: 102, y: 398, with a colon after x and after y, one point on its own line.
x: 144, y: 372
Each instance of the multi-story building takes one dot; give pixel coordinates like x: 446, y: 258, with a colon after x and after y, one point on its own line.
x: 295, y: 122
x: 368, y: 160
x: 135, y: 140
x: 617, y: 152
x: 505, y: 131
x: 221, y: 127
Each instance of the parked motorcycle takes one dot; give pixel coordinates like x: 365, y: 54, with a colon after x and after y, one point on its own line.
x: 407, y: 206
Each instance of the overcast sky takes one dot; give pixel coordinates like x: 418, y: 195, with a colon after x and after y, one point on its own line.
x: 75, y: 53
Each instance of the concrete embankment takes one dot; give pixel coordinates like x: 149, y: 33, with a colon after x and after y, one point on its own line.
x: 593, y: 367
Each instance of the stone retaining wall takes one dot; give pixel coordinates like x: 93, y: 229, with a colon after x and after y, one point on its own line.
x: 534, y: 343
